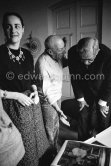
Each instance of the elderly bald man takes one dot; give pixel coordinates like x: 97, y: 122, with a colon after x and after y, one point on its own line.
x: 49, y: 71
x: 90, y: 68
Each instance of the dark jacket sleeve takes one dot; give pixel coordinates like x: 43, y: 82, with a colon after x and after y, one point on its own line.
x: 105, y: 89
x: 64, y: 62
x: 74, y: 74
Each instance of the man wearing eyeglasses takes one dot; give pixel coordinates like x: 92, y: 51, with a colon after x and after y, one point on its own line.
x: 90, y: 71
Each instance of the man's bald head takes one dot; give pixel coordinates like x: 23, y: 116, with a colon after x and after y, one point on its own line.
x: 53, y: 41
x: 55, y: 46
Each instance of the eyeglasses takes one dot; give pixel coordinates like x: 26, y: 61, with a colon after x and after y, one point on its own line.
x: 87, y: 56
x: 87, y: 61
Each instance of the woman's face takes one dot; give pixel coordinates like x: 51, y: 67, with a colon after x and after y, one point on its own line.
x: 13, y: 30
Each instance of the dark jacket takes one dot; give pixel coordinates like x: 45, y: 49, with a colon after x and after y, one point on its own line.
x: 94, y: 81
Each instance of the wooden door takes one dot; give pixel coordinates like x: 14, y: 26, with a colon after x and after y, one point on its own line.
x: 88, y: 19
x: 74, y: 20
x: 64, y: 25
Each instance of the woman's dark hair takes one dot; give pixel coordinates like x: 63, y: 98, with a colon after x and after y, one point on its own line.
x: 7, y: 14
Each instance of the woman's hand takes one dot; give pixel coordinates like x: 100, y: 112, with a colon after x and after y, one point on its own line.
x: 20, y: 97
x: 34, y: 95
x: 23, y: 99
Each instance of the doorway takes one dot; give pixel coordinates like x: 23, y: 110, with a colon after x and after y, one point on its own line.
x: 74, y: 19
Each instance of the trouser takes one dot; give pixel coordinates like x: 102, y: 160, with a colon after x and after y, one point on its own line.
x: 78, y: 118
x: 87, y: 120
x: 51, y: 122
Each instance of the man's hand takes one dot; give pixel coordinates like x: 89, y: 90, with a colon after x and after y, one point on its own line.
x: 59, y: 111
x: 62, y: 114
x: 104, y: 110
x: 82, y: 104
x: 63, y: 118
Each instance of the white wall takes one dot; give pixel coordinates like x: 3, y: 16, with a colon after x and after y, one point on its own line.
x: 34, y: 13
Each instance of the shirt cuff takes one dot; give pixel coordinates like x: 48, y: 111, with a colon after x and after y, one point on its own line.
x: 102, y: 103
x: 80, y: 99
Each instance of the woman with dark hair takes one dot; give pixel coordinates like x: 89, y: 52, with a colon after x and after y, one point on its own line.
x: 18, y: 92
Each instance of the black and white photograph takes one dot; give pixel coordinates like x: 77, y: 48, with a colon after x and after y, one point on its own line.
x: 82, y: 154
x: 55, y: 80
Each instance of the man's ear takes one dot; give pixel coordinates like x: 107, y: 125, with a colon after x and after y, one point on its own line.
x: 95, y: 46
x: 50, y: 51
x: 65, y: 41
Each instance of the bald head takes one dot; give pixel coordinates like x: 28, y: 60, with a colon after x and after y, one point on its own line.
x: 88, y: 49
x: 55, y: 46
x: 53, y: 41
